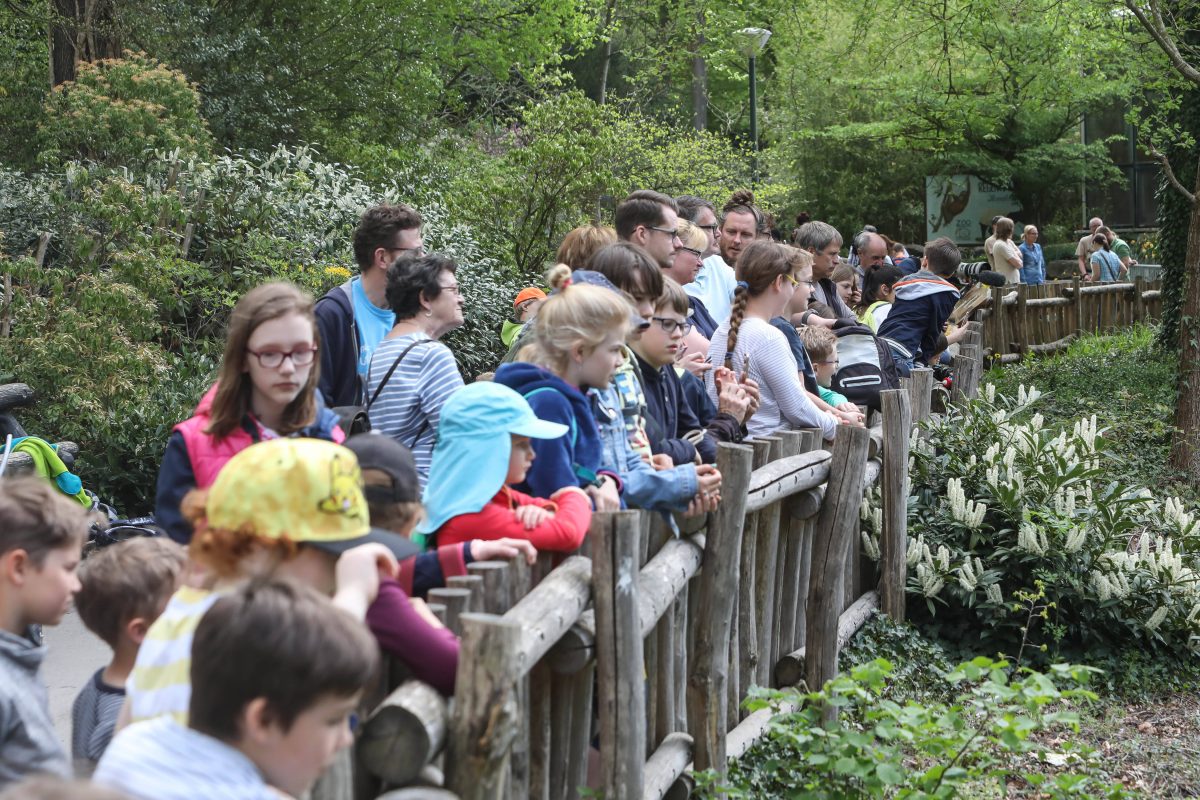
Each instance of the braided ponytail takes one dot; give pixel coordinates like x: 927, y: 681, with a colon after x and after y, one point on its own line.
x: 740, y: 295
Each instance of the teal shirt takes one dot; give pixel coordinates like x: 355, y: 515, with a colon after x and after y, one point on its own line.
x: 373, y: 323
x: 833, y: 398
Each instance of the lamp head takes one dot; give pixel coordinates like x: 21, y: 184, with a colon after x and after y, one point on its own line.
x: 751, y: 41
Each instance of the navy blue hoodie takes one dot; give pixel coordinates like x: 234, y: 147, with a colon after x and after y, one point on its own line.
x: 923, y: 304
x: 339, y: 383
x: 571, y: 460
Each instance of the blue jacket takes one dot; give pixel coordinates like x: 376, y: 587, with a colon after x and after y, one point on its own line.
x: 669, y: 417
x: 922, y: 306
x: 643, y: 486
x: 339, y: 383
x: 573, y: 459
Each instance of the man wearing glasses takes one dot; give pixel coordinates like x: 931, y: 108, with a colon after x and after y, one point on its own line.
x: 354, y: 317
x: 650, y: 220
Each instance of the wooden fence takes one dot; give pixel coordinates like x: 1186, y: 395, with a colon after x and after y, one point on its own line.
x: 624, y: 667
x: 1042, y: 319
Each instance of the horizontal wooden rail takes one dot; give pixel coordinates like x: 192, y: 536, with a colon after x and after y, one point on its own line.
x: 790, y: 669
x: 786, y: 477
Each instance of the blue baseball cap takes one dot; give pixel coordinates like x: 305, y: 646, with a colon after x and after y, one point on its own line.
x: 485, y: 408
x: 474, y: 443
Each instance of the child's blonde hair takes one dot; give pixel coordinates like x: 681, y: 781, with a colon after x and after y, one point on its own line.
x: 574, y: 314
x: 843, y: 272
x: 819, y: 342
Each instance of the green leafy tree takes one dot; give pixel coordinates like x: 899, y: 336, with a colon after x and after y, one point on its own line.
x: 1172, y: 30
x: 983, y: 87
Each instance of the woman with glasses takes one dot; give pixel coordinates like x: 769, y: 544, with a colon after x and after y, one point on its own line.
x: 412, y: 374
x: 266, y: 389
x: 685, y: 266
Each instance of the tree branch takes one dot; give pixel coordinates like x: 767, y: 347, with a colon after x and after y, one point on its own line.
x: 1161, y: 158
x: 1158, y: 30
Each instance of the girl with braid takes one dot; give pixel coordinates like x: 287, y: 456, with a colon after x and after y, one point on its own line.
x: 750, y: 346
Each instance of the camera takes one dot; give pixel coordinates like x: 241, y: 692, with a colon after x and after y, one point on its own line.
x: 978, y: 272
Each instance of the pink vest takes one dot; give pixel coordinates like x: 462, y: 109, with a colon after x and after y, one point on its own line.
x: 208, y: 454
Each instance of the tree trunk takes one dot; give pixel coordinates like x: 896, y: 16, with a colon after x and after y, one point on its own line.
x: 80, y: 30
x: 1185, y: 448
x: 699, y: 77
x: 610, y: 10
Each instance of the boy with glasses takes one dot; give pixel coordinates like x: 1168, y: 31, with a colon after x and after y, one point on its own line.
x: 672, y: 425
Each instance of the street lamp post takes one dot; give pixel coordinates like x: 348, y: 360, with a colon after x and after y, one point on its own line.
x: 751, y: 42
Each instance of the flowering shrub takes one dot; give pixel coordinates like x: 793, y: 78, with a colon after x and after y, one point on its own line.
x: 120, y: 111
x: 1008, y: 515
x: 119, y: 328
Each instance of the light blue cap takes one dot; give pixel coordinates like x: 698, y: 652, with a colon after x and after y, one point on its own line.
x: 470, y: 461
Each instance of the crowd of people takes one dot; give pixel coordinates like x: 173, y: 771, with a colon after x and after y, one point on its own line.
x: 1103, y: 256
x: 297, y: 549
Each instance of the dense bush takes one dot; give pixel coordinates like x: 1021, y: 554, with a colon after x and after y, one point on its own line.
x: 119, y: 330
x: 1022, y: 532
x: 120, y: 111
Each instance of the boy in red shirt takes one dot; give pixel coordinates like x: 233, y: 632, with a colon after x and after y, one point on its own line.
x: 484, y: 447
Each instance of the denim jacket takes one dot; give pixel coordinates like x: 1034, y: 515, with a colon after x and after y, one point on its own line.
x: 644, y: 487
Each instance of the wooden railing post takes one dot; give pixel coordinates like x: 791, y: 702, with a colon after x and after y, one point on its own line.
x: 897, y: 425
x: 838, y: 521
x: 619, y: 656
x: 484, y: 723
x: 920, y: 393
x: 707, y: 681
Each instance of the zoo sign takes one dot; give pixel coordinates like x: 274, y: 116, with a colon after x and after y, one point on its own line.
x: 962, y: 206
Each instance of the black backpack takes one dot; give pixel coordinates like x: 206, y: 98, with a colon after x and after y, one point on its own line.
x: 865, y: 366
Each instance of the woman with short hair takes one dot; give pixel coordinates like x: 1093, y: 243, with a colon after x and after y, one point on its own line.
x: 413, y: 374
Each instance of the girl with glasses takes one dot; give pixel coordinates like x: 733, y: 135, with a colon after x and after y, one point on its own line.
x: 266, y: 388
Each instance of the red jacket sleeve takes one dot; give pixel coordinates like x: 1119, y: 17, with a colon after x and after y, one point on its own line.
x: 431, y: 653
x: 563, y: 533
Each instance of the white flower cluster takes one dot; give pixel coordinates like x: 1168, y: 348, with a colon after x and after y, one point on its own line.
x: 969, y: 574
x: 1086, y: 431
x: 931, y: 582
x: 1032, y: 540
x: 989, y: 393
x: 1076, y: 538
x: 969, y: 512
x: 1156, y: 618
x: 1110, y: 586
x: 1064, y: 502
x: 994, y: 594
x: 1027, y: 397
x: 870, y: 546
x: 1173, y: 512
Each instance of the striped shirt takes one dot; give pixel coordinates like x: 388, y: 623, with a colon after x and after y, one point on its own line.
x: 162, y: 760
x: 161, y: 683
x: 783, y: 402
x: 93, y: 718
x: 411, y: 403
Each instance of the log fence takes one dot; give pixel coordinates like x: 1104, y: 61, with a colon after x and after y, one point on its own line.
x: 622, y: 669
x: 1046, y: 318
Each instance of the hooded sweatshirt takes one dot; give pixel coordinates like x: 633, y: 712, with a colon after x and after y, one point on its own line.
x: 28, y: 743
x: 919, y: 313
x: 571, y: 460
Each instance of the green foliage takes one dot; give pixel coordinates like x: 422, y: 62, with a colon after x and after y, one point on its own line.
x: 993, y: 89
x: 1038, y: 538
x: 120, y: 330
x: 1127, y: 382
x: 119, y: 112
x: 986, y: 737
x: 23, y: 84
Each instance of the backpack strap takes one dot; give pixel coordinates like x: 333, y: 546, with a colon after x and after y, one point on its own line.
x: 388, y: 375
